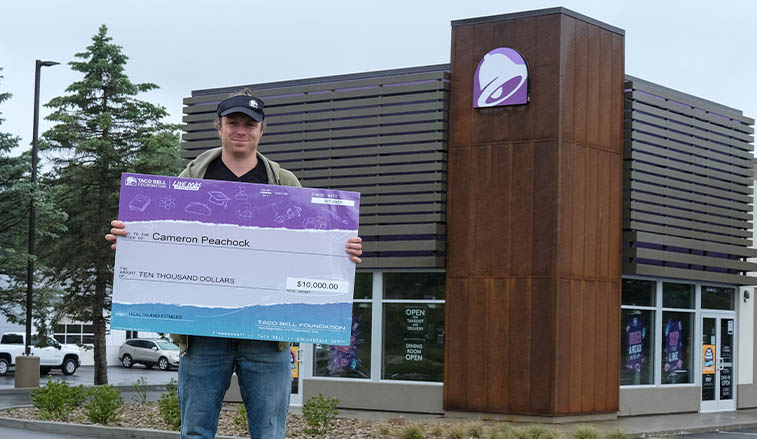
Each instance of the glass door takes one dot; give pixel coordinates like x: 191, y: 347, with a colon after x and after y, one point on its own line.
x: 718, y: 362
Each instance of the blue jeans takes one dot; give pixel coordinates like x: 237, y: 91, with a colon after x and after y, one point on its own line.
x: 264, y: 377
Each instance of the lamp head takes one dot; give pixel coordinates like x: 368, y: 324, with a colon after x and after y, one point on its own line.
x: 47, y: 63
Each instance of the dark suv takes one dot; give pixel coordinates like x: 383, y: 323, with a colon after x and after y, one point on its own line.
x: 149, y: 352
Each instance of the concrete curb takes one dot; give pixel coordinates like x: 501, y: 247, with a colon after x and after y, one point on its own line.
x: 91, y: 431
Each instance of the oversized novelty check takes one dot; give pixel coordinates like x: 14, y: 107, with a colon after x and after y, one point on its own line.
x: 239, y: 260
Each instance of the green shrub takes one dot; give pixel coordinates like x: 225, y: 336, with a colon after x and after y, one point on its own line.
x: 502, y: 430
x: 104, y: 404
x: 498, y: 434
x: 140, y: 389
x: 240, y: 419
x: 475, y: 429
x: 168, y: 406
x: 77, y: 395
x: 455, y: 431
x: 520, y: 433
x: 436, y: 430
x: 617, y: 434
x: 56, y: 400
x: 412, y: 431
x: 585, y: 432
x: 319, y: 413
x: 383, y: 429
x: 537, y: 431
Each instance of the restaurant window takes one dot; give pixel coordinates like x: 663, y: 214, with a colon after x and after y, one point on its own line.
x: 413, y: 326
x: 658, y: 323
x: 426, y: 286
x: 637, y: 332
x: 718, y: 298
x: 675, y: 295
x: 640, y: 293
x: 677, y: 364
x: 353, y: 360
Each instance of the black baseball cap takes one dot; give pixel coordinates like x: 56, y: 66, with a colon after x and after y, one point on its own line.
x: 249, y: 105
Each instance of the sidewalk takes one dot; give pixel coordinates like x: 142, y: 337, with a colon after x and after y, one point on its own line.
x: 680, y: 423
x: 633, y: 426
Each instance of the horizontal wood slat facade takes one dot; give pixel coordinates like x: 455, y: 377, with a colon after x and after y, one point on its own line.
x: 382, y: 134
x: 535, y: 203
x: 688, y: 178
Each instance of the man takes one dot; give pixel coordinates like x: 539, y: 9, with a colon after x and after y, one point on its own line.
x: 207, y: 363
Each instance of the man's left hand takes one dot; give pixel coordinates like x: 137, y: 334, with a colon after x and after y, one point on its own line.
x: 354, y: 248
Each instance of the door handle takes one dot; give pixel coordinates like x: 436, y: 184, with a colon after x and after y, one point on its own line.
x: 720, y: 363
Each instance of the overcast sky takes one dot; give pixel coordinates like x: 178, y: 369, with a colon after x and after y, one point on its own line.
x: 705, y: 48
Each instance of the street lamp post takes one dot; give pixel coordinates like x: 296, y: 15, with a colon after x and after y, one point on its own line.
x: 32, y: 212
x: 27, y: 370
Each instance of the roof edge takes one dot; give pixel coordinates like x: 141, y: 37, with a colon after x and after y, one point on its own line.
x: 725, y: 109
x: 325, y: 79
x: 538, y: 13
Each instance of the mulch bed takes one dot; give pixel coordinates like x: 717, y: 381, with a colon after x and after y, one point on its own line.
x: 146, y: 415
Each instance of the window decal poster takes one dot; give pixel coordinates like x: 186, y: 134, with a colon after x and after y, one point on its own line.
x: 293, y: 363
x: 343, y: 358
x: 636, y: 332
x: 708, y: 359
x: 238, y: 260
x: 673, y: 345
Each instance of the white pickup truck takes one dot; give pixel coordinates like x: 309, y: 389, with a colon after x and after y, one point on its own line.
x: 51, y: 354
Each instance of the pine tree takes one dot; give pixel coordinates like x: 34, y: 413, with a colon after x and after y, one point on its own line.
x: 15, y: 196
x: 101, y: 130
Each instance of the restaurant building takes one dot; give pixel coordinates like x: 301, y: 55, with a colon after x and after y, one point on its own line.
x: 544, y: 234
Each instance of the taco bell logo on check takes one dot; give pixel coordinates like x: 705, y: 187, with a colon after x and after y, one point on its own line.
x: 501, y: 78
x: 187, y: 185
x: 145, y: 182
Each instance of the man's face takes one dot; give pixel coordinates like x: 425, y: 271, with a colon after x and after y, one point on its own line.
x: 239, y: 134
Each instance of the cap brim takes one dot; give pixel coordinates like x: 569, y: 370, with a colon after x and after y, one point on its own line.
x: 257, y: 115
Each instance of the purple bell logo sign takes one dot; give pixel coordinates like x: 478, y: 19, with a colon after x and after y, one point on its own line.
x: 501, y: 79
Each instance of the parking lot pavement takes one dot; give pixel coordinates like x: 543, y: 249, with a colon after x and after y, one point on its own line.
x: 740, y: 434
x: 25, y: 434
x: 117, y: 376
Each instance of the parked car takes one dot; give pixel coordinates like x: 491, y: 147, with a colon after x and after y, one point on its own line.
x: 149, y: 352
x: 52, y: 355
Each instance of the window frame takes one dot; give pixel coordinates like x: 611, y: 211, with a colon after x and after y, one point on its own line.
x: 377, y: 333
x: 695, y: 337
x: 378, y: 290
x: 68, y: 331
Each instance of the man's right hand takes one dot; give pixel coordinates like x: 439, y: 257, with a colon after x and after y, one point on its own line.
x: 118, y: 228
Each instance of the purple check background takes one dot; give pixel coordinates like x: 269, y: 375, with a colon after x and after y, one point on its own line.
x: 153, y: 198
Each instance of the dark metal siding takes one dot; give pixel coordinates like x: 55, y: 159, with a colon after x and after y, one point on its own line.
x: 383, y: 134
x: 687, y: 181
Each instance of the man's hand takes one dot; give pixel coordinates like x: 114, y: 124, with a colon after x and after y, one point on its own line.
x: 354, y: 249
x: 118, y: 228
